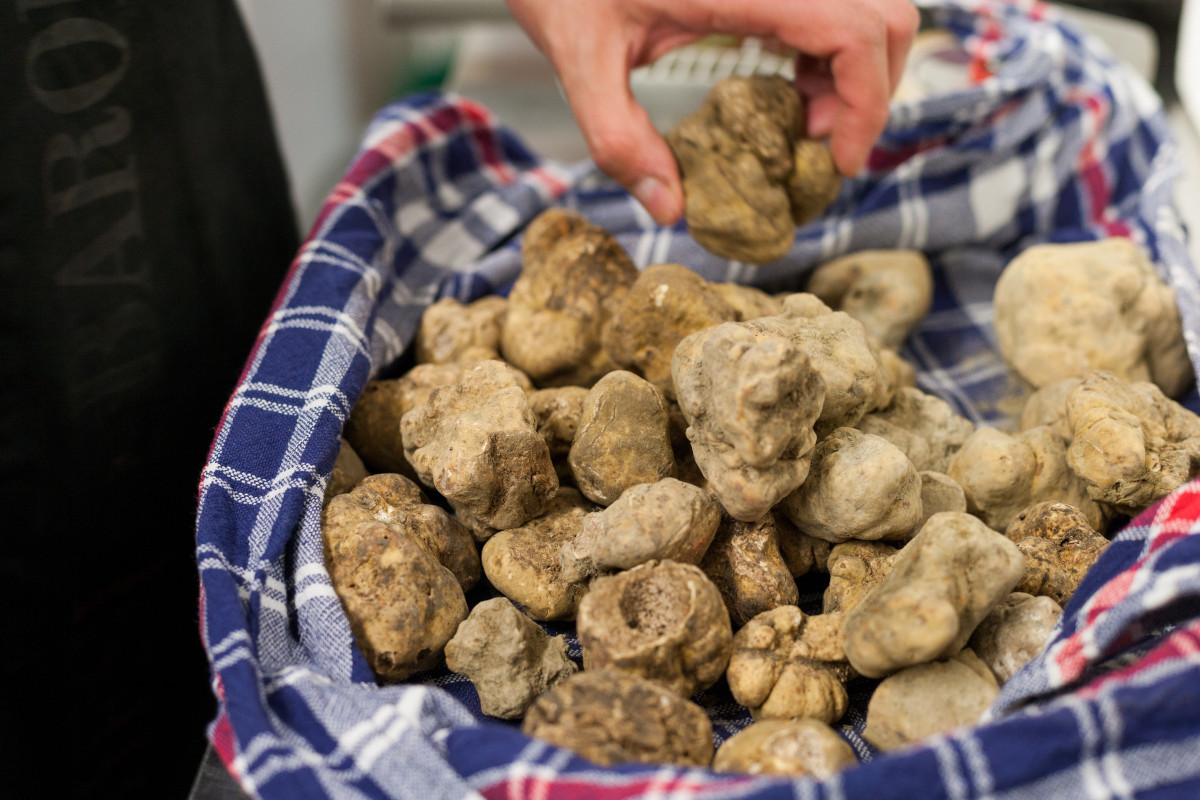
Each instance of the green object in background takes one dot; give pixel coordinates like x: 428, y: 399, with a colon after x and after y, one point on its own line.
x: 429, y: 62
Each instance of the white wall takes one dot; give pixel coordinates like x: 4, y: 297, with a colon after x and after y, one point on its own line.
x: 328, y: 66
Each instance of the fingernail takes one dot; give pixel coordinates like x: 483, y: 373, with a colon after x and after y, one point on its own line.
x: 653, y: 195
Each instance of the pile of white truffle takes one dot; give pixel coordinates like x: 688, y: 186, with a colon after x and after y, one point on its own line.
x: 659, y: 458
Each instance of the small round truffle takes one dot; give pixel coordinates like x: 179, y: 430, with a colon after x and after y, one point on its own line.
x: 609, y: 716
x: 786, y: 747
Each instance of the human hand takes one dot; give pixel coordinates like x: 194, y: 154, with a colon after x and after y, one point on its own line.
x: 852, y: 54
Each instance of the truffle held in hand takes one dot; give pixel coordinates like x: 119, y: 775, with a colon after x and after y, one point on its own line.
x: 749, y: 179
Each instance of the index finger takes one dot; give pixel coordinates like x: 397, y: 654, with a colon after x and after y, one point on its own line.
x: 862, y: 82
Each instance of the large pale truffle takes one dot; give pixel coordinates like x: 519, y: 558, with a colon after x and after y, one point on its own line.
x: 859, y: 486
x: 793, y: 747
x: 666, y: 303
x: 1002, y: 474
x: 888, y: 291
x: 750, y: 398
x: 1131, y: 444
x: 941, y: 586
x: 523, y: 562
x: 400, y: 504
x: 668, y: 519
x: 925, y: 699
x: 402, y: 605
x: 1067, y: 309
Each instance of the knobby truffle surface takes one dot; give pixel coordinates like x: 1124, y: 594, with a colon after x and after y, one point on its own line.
x: 609, y: 716
x: 661, y: 620
x: 749, y: 179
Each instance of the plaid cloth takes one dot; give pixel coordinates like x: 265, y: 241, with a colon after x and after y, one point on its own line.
x: 1055, y: 143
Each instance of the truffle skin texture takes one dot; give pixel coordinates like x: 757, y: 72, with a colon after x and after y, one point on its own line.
x: 1059, y: 548
x: 1001, y: 475
x: 748, y: 178
x: 942, y: 584
x: 523, y: 564
x: 1132, y: 445
x: 747, y: 301
x: 571, y: 272
x: 923, y: 425
x: 608, y: 717
x: 450, y: 329
x: 508, y: 657
x: 745, y: 564
x: 624, y: 438
x: 787, y: 665
x: 888, y: 291
x: 802, y: 553
x: 666, y: 303
x: 859, y: 486
x: 669, y: 519
x: 476, y: 443
x: 397, y: 502
x: 557, y: 411
x: 402, y: 605
x: 793, y: 747
x: 750, y: 398
x: 922, y: 700
x: 661, y: 620
x: 1014, y: 633
x: 348, y: 470
x: 1068, y: 309
x: 939, y: 492
x: 855, y: 568
x: 1048, y: 406
x: 837, y: 347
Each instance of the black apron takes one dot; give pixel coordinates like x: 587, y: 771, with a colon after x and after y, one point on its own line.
x: 145, y: 226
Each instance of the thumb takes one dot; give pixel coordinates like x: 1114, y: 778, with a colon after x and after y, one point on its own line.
x: 622, y: 140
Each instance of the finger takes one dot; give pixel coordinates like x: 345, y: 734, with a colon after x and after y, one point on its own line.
x: 860, y: 75
x: 814, y: 82
x: 619, y: 134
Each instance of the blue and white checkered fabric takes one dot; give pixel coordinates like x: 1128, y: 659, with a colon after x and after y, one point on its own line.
x: 1056, y: 142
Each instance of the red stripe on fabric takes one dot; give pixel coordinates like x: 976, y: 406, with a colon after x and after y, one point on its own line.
x: 483, y: 130
x: 223, y: 741
x: 1118, y: 228
x: 1172, y: 521
x: 1111, y: 593
x: 1068, y: 658
x: 1182, y: 643
x: 554, y: 186
x: 1091, y: 168
x: 880, y: 159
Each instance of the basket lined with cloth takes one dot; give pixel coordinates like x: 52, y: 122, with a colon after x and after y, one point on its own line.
x: 1057, y: 143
